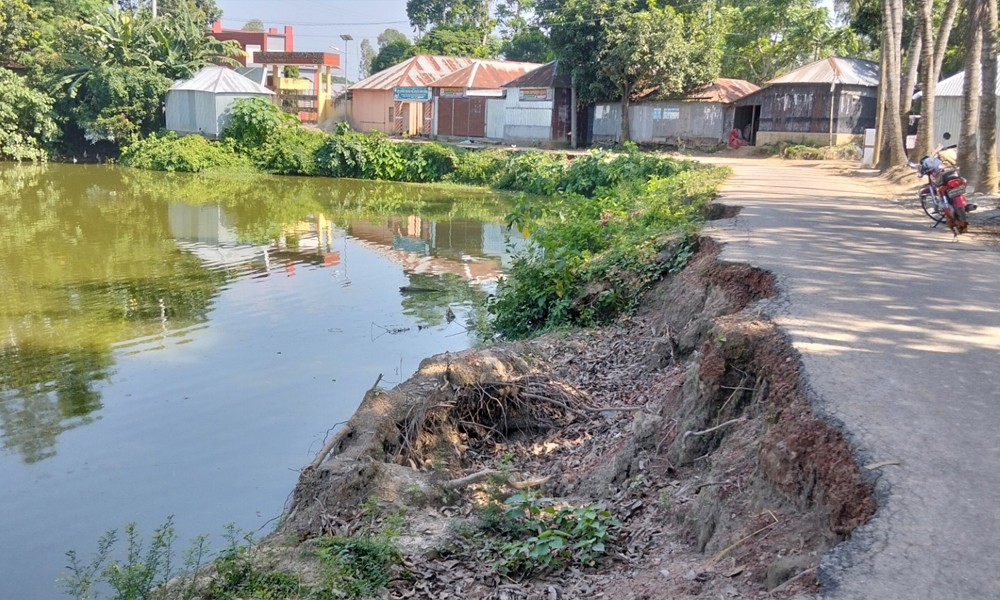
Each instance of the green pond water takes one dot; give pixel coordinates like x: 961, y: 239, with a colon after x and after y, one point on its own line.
x: 181, y: 345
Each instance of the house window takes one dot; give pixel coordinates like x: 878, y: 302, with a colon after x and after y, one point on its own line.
x: 392, y: 114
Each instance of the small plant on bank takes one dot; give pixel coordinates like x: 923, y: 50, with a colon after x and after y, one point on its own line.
x: 142, y: 574
x: 362, y: 565
x: 537, y: 534
x: 183, y: 154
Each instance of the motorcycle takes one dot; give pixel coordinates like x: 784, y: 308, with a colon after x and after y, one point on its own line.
x: 943, y: 196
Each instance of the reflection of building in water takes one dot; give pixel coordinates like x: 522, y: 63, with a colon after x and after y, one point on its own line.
x: 474, y: 250
x: 209, y: 233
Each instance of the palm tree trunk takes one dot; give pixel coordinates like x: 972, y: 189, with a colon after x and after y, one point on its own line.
x: 925, y: 131
x: 988, y: 107
x: 912, y: 67
x: 968, y: 153
x: 892, y: 19
x: 944, y: 33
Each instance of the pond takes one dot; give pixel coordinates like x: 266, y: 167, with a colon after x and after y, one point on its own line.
x: 182, y: 345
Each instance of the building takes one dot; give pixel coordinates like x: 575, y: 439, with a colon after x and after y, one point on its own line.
x: 536, y: 109
x: 702, y: 117
x: 253, y: 42
x: 460, y: 98
x: 948, y: 109
x: 399, y: 100
x: 828, y: 102
x: 201, y: 104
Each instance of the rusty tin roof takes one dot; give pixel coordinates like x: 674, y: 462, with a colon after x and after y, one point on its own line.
x: 419, y: 70
x: 722, y: 90
x: 485, y: 74
x: 847, y: 71
x: 548, y: 75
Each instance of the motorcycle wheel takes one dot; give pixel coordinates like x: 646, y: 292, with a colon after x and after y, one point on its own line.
x: 927, y: 203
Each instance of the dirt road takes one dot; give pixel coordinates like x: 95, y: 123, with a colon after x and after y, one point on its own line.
x: 898, y: 327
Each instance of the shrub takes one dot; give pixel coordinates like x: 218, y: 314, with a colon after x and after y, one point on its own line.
x: 290, y: 151
x: 25, y: 125
x: 590, y: 259
x: 189, y: 154
x: 479, y: 167
x: 363, y: 156
x: 426, y: 162
x: 253, y: 120
x: 533, y: 172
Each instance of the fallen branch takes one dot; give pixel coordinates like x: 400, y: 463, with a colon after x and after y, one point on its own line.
x: 796, y: 578
x: 884, y: 463
x: 329, y: 446
x: 735, y: 544
x: 711, y: 429
x: 480, y: 476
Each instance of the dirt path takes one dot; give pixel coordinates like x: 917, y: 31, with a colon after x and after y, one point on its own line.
x: 899, y: 331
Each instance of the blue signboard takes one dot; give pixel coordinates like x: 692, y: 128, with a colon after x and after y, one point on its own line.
x: 415, y: 93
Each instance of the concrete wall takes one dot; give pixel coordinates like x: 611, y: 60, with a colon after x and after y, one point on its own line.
x: 369, y: 111
x: 817, y: 139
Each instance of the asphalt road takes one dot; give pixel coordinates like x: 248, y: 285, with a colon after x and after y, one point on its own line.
x: 898, y: 327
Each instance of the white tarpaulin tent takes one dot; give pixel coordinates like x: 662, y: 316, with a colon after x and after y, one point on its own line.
x: 199, y: 104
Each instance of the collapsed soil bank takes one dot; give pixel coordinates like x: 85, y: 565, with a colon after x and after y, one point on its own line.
x: 689, y: 421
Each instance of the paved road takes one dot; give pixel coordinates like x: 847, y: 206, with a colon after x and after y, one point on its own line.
x: 899, y: 331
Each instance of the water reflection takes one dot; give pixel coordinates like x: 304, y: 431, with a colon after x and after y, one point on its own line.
x: 95, y: 260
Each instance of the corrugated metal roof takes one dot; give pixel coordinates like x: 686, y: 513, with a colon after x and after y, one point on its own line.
x: 722, y: 90
x: 422, y: 69
x: 548, y: 75
x: 847, y: 71
x: 955, y: 86
x: 485, y: 74
x: 220, y: 80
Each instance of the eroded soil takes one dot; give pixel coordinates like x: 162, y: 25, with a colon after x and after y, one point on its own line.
x: 688, y: 420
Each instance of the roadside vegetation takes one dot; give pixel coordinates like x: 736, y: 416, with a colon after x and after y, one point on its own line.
x: 603, y: 227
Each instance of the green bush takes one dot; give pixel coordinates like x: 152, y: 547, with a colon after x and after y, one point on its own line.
x: 426, y: 162
x: 188, y: 154
x: 533, y: 172
x: 362, y: 156
x: 253, y: 120
x: 590, y: 259
x: 479, y: 167
x: 26, y: 126
x: 290, y: 151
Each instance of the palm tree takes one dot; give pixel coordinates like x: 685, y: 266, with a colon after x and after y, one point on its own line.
x: 892, y: 135
x: 968, y: 153
x: 988, y: 106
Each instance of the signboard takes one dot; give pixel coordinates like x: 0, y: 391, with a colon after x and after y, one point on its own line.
x: 671, y: 114
x: 657, y: 114
x: 411, y: 93
x: 534, y: 94
x: 452, y: 92
x: 297, y: 58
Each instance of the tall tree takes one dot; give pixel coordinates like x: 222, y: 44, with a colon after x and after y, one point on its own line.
x: 893, y: 151
x: 988, y: 107
x: 457, y: 40
x: 392, y: 53
x: 968, y: 141
x: 931, y: 56
x: 391, y: 35
x: 253, y: 25
x: 368, y: 54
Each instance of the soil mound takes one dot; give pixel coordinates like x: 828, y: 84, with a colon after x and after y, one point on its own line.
x: 688, y: 421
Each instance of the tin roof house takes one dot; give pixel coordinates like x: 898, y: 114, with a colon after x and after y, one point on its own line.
x: 201, y: 103
x: 827, y: 102
x: 948, y: 109
x: 702, y: 117
x: 537, y: 108
x: 461, y: 98
x: 399, y: 100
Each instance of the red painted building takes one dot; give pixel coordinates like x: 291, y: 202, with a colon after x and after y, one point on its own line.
x: 256, y: 41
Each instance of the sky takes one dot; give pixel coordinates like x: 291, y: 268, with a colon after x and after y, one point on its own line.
x: 318, y: 24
